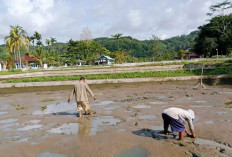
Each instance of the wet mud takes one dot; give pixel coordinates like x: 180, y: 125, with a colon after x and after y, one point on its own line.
x: 40, y: 122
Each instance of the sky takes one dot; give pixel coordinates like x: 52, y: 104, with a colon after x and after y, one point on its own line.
x: 140, y: 19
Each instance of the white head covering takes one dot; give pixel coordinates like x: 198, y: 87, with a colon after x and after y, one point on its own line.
x: 191, y: 113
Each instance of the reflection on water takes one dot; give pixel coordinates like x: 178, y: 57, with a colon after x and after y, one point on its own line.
x: 211, y: 143
x: 48, y: 154
x: 142, y: 106
x: 147, y: 117
x: 209, y: 122
x: 201, y: 106
x: 221, y: 81
x: 158, y: 103
x: 69, y: 129
x: 8, y: 121
x: 103, y: 103
x: 56, y: 108
x: 63, y: 107
x: 133, y: 152
x: 30, y: 127
x: 1, y: 113
x: 7, y: 126
x: 201, y: 101
x: 156, y: 132
x: 86, y: 126
x: 99, y: 122
x: 4, y: 106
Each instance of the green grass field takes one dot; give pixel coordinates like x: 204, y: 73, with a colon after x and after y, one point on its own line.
x: 147, y: 74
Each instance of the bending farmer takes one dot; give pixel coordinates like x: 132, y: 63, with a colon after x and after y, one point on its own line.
x: 80, y: 91
x: 176, y: 117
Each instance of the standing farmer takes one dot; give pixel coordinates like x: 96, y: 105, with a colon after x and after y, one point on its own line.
x: 80, y: 91
x: 176, y: 117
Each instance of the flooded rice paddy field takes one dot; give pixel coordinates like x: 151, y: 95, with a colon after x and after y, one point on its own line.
x: 39, y: 122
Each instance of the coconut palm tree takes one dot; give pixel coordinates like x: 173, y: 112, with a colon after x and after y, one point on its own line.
x: 48, y: 42
x: 16, y: 40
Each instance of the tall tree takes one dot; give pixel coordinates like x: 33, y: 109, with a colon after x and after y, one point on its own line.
x: 220, y: 10
x: 16, y: 40
x: 38, y: 52
x: 117, y: 36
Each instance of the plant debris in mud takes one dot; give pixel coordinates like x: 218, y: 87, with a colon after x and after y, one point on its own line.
x: 228, y: 105
x: 22, y: 108
x: 47, y: 100
x: 43, y: 108
x: 19, y: 107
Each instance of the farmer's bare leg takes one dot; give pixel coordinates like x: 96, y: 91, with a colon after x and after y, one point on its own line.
x: 181, y: 135
x: 79, y: 108
x: 87, y: 108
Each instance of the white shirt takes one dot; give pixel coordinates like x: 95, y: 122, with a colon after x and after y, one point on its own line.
x: 178, y: 113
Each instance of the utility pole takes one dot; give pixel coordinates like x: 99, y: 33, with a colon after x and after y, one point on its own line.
x: 217, y: 53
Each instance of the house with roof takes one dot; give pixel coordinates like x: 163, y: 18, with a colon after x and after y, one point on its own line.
x: 27, y: 62
x: 105, y: 60
x: 191, y: 55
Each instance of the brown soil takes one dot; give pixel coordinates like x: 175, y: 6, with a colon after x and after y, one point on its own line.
x: 127, y: 116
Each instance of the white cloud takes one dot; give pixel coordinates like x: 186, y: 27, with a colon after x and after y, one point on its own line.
x: 65, y: 19
x: 134, y: 17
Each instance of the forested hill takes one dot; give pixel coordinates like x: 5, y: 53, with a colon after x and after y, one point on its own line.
x: 181, y: 42
x: 145, y: 48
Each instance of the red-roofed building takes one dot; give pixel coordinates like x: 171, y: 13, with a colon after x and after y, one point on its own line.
x: 191, y: 55
x: 28, y: 61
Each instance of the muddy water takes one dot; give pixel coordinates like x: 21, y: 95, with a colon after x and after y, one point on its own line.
x: 40, y: 122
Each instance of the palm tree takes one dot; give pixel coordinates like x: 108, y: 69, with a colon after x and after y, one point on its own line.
x: 48, y: 42
x: 37, y: 36
x: 53, y: 41
x: 38, y: 52
x: 117, y: 36
x: 16, y: 40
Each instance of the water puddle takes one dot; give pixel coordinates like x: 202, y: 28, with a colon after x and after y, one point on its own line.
x: 89, y: 127
x: 4, y: 106
x: 133, y: 152
x: 201, y: 101
x: 221, y: 113
x: 48, y: 154
x: 34, y: 121
x: 156, y: 132
x: 121, y: 130
x: 2, y: 113
x: 162, y: 97
x: 142, y: 106
x: 201, y: 106
x: 30, y: 127
x: 56, y: 109
x: 8, y: 121
x: 69, y: 129
x: 111, y: 108
x: 211, y: 143
x: 209, y: 122
x: 159, y: 103
x: 148, y: 117
x: 23, y: 140
x: 7, y: 126
x: 99, y: 122
x: 103, y: 103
